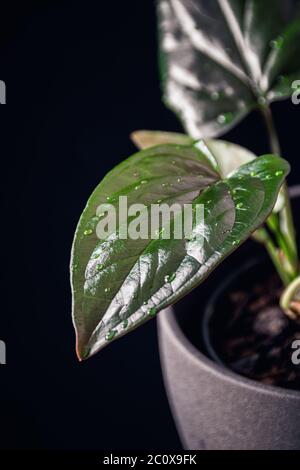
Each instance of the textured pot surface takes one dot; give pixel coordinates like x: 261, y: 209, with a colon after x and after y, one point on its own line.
x: 215, y: 408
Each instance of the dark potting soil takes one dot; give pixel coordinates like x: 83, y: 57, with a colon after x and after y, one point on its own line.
x: 255, y: 337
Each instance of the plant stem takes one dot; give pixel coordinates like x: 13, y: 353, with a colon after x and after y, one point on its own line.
x: 274, y: 254
x: 284, y: 229
x: 289, y: 301
x: 274, y: 141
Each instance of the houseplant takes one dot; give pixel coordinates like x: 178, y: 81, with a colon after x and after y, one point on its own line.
x: 220, y: 60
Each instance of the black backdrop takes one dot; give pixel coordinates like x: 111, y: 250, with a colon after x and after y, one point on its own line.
x: 80, y: 77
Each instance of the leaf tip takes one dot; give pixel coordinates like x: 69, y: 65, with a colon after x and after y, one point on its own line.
x: 82, y: 352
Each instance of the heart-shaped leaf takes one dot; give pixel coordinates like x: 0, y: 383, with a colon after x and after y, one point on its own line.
x: 119, y: 283
x: 222, y: 58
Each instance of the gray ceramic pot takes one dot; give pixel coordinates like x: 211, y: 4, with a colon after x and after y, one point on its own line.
x: 215, y: 408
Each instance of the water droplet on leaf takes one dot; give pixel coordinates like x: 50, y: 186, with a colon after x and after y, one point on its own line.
x: 152, y: 311
x: 170, y: 277
x: 110, y: 335
x: 215, y: 95
x: 225, y: 118
x: 277, y: 43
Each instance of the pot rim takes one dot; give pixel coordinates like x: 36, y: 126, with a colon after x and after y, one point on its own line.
x: 168, y: 322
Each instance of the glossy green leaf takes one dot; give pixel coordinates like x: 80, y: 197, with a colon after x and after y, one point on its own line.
x: 222, y: 58
x: 119, y: 283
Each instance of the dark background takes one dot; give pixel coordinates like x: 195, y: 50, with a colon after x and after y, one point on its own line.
x: 80, y: 77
